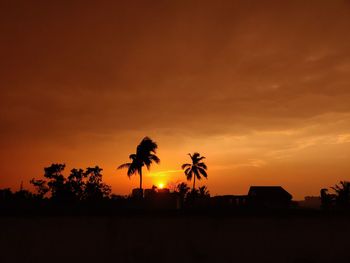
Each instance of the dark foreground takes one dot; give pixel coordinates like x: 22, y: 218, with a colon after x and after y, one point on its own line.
x: 175, y: 238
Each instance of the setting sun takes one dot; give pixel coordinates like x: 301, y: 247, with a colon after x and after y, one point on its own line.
x: 161, y: 185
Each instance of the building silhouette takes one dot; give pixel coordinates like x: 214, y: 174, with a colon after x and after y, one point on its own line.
x: 269, y: 197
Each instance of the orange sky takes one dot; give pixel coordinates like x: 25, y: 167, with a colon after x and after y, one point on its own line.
x: 261, y: 88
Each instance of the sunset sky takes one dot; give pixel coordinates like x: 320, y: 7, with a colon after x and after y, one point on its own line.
x: 261, y: 88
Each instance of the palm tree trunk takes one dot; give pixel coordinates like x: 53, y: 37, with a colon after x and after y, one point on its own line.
x: 141, y: 178
x: 194, y: 182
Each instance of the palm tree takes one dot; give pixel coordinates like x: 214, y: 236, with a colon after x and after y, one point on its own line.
x: 182, y: 189
x: 195, y: 169
x: 203, y: 191
x: 342, y: 192
x: 145, y: 155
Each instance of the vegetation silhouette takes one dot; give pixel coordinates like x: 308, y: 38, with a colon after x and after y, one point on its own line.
x: 41, y: 186
x: 203, y: 191
x: 85, y: 189
x: 326, y: 198
x: 145, y: 155
x: 340, y: 199
x: 57, y: 182
x: 196, y: 169
x: 342, y: 193
x: 182, y: 189
x: 80, y: 185
x: 76, y: 183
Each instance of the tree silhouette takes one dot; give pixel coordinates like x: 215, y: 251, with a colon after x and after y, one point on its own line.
x: 94, y: 188
x: 203, y: 191
x: 192, y: 195
x: 182, y: 189
x: 145, y: 155
x: 196, y: 169
x: 342, y: 193
x: 41, y: 187
x: 5, y: 195
x: 80, y: 185
x: 57, y: 182
x: 76, y: 183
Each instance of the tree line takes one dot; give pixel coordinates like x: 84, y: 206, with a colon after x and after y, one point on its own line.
x: 87, y: 184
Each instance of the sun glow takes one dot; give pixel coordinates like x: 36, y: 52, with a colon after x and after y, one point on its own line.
x: 160, y: 185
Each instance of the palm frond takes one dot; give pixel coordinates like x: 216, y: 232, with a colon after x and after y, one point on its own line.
x: 200, y: 158
x: 185, y: 165
x: 154, y: 158
x: 189, y: 176
x: 133, y: 157
x: 188, y: 170
x: 189, y: 173
x: 196, y: 172
x: 131, y: 171
x: 202, y: 171
x: 124, y: 165
x: 202, y: 165
x: 196, y: 155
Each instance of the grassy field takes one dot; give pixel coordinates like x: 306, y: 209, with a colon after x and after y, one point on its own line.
x: 175, y: 239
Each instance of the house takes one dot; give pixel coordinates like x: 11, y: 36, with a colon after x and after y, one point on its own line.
x: 269, y: 197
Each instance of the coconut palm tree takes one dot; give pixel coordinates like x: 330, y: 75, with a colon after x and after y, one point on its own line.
x: 182, y: 189
x: 145, y: 155
x: 203, y: 191
x: 196, y: 169
x: 342, y: 193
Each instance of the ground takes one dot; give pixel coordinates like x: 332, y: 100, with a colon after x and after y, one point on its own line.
x: 173, y: 238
